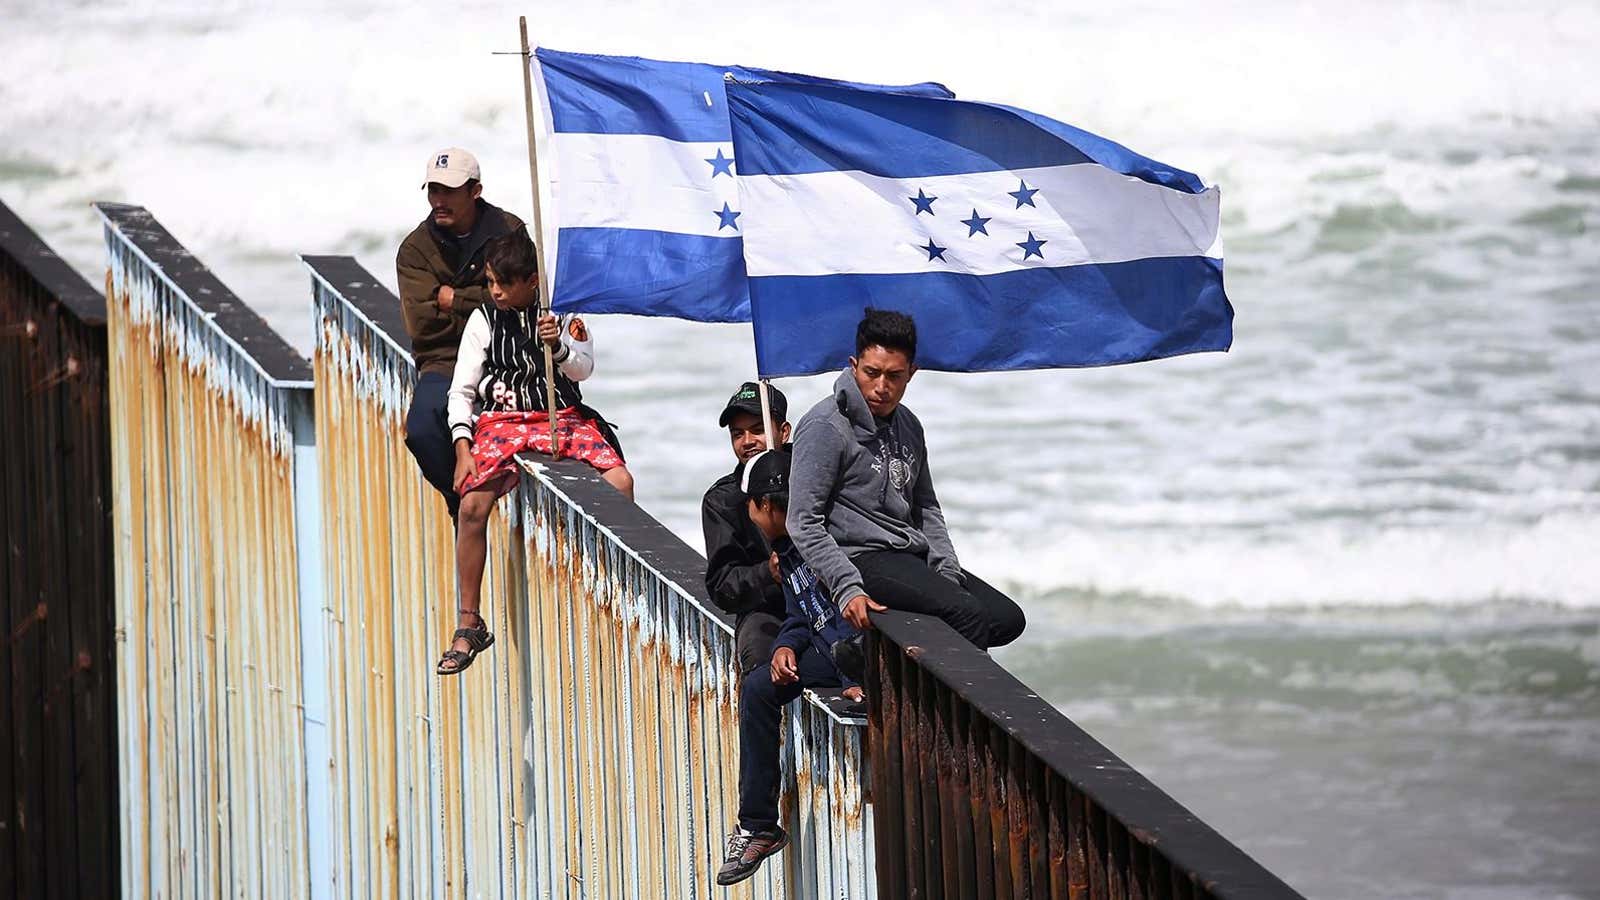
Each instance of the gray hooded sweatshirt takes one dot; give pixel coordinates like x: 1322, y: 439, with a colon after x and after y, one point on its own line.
x: 857, y: 484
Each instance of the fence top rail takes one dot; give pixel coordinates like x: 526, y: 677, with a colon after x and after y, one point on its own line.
x: 647, y: 540
x: 1149, y: 813
x: 652, y: 544
x: 376, y: 304
x: 234, y: 320
x: 23, y: 244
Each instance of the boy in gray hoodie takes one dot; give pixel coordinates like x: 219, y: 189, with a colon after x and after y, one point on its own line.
x: 862, y: 507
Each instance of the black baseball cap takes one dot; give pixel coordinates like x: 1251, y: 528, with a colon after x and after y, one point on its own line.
x: 766, y: 473
x: 747, y: 399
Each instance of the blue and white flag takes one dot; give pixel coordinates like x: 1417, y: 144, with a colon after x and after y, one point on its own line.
x: 640, y: 211
x: 1015, y: 241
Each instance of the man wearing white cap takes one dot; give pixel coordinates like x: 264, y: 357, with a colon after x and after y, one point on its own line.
x: 440, y: 267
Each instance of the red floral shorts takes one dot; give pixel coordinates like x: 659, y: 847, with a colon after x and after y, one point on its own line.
x: 499, y: 436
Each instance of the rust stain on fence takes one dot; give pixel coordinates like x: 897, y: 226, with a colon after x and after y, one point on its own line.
x: 593, y: 752
x: 635, y: 750
x: 205, y: 402
x: 988, y: 791
x: 285, y: 581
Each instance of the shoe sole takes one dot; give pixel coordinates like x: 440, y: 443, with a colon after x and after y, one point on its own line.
x: 756, y: 866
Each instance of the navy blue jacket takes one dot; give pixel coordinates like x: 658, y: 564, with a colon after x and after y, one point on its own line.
x: 813, y: 617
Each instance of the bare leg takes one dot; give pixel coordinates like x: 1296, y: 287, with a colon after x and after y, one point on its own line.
x: 472, y: 546
x: 621, y: 479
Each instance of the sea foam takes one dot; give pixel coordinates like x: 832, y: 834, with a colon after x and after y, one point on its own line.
x: 1550, y: 561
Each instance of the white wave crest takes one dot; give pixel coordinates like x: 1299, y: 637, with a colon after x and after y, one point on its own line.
x: 1551, y: 561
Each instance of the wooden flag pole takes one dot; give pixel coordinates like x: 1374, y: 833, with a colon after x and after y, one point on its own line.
x: 538, y: 242
x: 774, y: 440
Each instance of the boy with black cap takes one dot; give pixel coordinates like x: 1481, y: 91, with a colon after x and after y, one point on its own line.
x: 809, y: 652
x: 740, y: 577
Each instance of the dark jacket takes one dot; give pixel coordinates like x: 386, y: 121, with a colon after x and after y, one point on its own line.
x: 428, y: 259
x: 813, y: 622
x: 737, y: 577
x: 860, y: 484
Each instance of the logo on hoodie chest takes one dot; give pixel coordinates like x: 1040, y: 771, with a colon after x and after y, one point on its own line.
x: 898, y: 464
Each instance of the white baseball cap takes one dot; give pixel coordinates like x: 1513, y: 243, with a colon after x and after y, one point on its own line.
x: 451, y: 167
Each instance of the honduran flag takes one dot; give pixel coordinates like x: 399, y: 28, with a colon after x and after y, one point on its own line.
x: 639, y: 207
x: 1014, y: 241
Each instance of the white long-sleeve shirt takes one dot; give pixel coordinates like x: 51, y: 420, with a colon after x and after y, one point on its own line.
x: 499, y: 365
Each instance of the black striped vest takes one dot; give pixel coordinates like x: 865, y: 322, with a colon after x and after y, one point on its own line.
x: 516, y: 360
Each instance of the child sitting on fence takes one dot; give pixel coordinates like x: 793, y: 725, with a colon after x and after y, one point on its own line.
x: 497, y: 409
x: 815, y: 648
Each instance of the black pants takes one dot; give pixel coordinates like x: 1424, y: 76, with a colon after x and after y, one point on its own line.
x: 903, y: 581
x: 761, y: 706
x: 753, y: 636
x: 428, y: 436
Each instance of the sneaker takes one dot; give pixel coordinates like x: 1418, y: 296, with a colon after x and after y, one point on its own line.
x: 746, y: 850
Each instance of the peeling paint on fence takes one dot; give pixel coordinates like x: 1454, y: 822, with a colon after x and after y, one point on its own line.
x: 593, y: 752
x: 207, y: 405
x: 285, y: 582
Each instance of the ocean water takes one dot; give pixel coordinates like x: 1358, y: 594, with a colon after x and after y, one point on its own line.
x: 1337, y: 590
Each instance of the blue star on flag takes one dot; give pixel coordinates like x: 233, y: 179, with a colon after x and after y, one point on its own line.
x: 1024, y: 194
x: 923, y: 202
x: 727, y: 216
x: 721, y: 165
x: 934, y: 251
x: 975, y: 225
x: 1031, y: 246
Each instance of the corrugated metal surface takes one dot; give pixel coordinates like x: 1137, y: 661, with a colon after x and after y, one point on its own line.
x: 635, y: 741
x: 593, y: 751
x: 285, y: 583
x: 394, y: 727
x: 989, y: 791
x: 58, y: 742
x: 207, y: 406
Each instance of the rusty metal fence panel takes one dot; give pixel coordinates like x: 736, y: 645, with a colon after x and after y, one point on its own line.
x: 285, y: 580
x: 414, y: 758
x: 208, y: 408
x: 593, y: 752
x: 635, y: 740
x: 985, y: 790
x: 58, y: 742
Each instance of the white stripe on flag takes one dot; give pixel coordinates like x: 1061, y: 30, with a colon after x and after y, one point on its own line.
x: 826, y: 223
x: 543, y: 131
x: 642, y: 181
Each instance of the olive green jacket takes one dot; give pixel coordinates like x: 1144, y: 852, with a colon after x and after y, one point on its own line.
x: 428, y: 260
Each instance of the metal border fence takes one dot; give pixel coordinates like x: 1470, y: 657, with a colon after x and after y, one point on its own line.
x: 987, y: 791
x: 285, y: 580
x: 593, y: 752
x: 211, y: 418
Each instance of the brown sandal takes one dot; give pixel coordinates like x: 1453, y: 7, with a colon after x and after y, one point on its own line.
x: 478, y: 640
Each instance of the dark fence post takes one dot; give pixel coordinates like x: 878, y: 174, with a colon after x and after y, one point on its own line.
x: 58, y: 759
